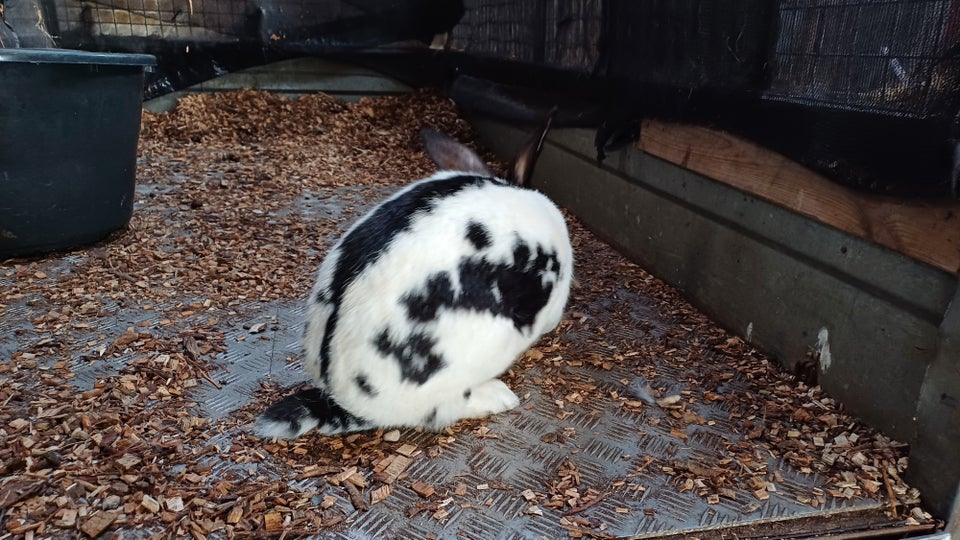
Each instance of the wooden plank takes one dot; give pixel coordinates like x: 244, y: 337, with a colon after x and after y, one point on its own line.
x: 926, y: 231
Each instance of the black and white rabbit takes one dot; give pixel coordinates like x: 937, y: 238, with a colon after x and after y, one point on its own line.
x: 429, y: 297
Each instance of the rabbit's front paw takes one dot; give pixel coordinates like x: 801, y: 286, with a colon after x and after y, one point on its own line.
x: 491, y: 397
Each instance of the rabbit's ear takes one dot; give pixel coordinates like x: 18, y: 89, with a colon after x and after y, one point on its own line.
x: 449, y: 155
x: 521, y: 170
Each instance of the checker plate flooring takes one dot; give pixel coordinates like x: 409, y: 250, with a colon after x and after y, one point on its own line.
x: 604, y: 441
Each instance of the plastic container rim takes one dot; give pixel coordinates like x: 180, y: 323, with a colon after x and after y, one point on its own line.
x: 68, y: 56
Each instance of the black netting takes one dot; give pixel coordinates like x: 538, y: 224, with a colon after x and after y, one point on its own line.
x: 881, y: 56
x: 865, y: 92
x: 317, y: 25
x: 175, y: 20
x: 689, y: 43
x: 560, y: 34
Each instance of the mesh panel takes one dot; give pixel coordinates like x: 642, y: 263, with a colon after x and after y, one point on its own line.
x: 502, y: 28
x: 326, y: 23
x: 890, y: 57
x: 191, y: 20
x: 845, y: 87
x: 560, y: 34
x: 690, y: 43
x: 573, y: 34
x: 881, y: 55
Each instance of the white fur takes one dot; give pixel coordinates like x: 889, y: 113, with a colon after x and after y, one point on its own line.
x: 269, y: 429
x: 477, y: 346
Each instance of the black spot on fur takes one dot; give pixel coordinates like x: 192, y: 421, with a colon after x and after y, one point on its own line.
x: 478, y: 235
x: 522, y: 288
x: 522, y: 293
x: 439, y: 293
x: 521, y: 253
x: 467, y: 393
x: 313, y: 403
x: 417, y: 359
x: 431, y: 418
x: 364, y: 385
x: 371, y: 238
x: 321, y: 297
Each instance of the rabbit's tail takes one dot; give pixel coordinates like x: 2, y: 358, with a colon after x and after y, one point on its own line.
x: 297, y: 414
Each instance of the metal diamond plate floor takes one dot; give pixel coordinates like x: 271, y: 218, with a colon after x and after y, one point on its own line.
x: 609, y: 446
x: 572, y: 415
x: 639, y: 417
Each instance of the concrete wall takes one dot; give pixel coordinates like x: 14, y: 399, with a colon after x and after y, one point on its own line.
x: 876, y: 322
x: 935, y: 450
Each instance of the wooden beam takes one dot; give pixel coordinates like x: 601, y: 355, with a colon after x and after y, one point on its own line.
x: 926, y: 231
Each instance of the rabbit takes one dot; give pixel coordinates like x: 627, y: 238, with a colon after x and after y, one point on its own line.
x: 428, y: 298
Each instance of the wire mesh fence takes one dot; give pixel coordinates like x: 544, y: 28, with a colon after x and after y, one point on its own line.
x: 193, y: 20
x: 894, y: 57
x: 806, y: 59
x: 560, y: 34
x: 888, y: 56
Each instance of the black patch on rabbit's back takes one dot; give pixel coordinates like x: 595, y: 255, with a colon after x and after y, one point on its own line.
x: 363, y: 245
x: 522, y: 288
x: 522, y: 293
x: 418, y: 361
x: 437, y: 293
x: 478, y: 235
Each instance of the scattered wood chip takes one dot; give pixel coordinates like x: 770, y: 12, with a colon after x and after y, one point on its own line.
x: 128, y: 461
x: 235, y: 514
x: 19, y: 488
x: 356, y: 498
x: 94, y: 525
x: 173, y: 504
x: 342, y: 476
x: 150, y: 504
x: 68, y: 518
x: 356, y: 480
x: 394, y: 469
x: 423, y: 489
x: 18, y: 423
x: 407, y: 450
x: 669, y: 401
x: 382, y: 464
x: 379, y: 494
x: 273, y: 522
